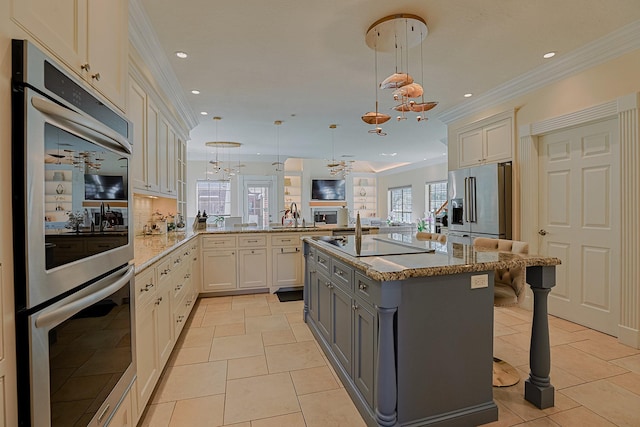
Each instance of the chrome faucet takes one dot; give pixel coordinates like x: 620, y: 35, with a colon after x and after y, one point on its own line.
x: 294, y: 213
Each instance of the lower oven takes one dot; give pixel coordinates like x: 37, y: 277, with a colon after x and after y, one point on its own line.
x: 78, y: 354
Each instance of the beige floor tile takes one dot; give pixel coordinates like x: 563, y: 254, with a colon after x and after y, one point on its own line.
x: 565, y: 324
x: 508, y: 352
x: 289, y: 357
x: 249, y: 303
x: 330, y: 408
x: 562, y: 402
x: 272, y: 298
x: 283, y: 336
x: 631, y: 363
x: 540, y: 422
x: 220, y: 306
x: 189, y: 355
x: 295, y: 317
x: 259, y: 397
x: 630, y: 381
x: 581, y: 364
x: 215, y: 318
x: 520, y: 340
x: 290, y: 420
x: 580, y: 416
x: 204, y: 411
x: 302, y: 332
x: 507, y: 319
x: 262, y: 310
x: 515, y: 311
x: 499, y: 330
x: 194, y: 320
x: 608, y: 400
x: 157, y: 415
x: 605, y: 350
x: 189, y: 381
x: 214, y: 300
x: 229, y: 330
x: 287, y: 307
x: 247, y: 424
x: 246, y: 367
x: 196, y: 337
x: 236, y: 346
x: 313, y: 380
x: 258, y: 324
x: 513, y: 399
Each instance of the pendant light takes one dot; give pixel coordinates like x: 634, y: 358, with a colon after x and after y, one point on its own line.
x: 374, y: 117
x: 278, y: 164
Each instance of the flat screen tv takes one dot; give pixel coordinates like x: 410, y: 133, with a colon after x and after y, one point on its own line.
x: 104, y: 187
x: 328, y: 189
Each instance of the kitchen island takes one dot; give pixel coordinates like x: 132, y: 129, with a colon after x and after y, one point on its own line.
x: 408, y: 326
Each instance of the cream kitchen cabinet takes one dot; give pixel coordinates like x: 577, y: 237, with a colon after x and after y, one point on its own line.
x: 167, y: 158
x: 490, y: 142
x: 164, y: 297
x: 287, y: 260
x: 90, y: 37
x: 252, y: 261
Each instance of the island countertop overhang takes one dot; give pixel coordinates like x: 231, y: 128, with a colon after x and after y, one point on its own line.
x: 448, y: 259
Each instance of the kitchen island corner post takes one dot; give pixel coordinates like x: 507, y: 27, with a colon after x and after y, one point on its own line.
x: 538, y: 389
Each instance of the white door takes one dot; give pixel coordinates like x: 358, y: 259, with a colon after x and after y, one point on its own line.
x: 579, y: 217
x: 259, y: 200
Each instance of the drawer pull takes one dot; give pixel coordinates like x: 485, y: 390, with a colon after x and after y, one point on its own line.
x: 158, y: 301
x: 147, y: 287
x: 285, y: 240
x: 187, y: 276
x: 177, y: 288
x: 322, y: 262
x: 165, y: 271
x: 339, y: 273
x: 312, y: 271
x: 362, y: 287
x: 355, y: 307
x: 177, y: 261
x: 252, y: 241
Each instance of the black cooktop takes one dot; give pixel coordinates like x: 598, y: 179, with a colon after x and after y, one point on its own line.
x: 378, y: 245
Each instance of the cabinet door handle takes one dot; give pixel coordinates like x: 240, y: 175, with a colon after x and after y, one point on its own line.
x: 158, y: 301
x: 339, y: 273
x: 147, y: 287
x: 85, y: 67
x: 362, y: 287
x: 312, y: 271
x: 96, y: 77
x: 355, y: 306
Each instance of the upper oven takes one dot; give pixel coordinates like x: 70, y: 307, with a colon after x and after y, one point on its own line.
x: 72, y: 201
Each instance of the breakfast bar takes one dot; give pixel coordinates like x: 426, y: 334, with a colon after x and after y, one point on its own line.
x: 408, y: 325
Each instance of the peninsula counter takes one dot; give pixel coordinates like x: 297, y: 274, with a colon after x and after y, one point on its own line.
x: 408, y: 325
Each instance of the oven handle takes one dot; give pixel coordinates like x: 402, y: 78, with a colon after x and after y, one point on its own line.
x: 83, y: 123
x: 62, y: 313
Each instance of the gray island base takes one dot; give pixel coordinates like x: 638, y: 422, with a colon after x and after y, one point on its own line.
x: 410, y: 337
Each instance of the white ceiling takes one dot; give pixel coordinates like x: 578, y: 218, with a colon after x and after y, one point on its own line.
x: 306, y: 63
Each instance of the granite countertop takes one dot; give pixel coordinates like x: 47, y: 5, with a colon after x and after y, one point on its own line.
x: 150, y: 248
x: 451, y: 258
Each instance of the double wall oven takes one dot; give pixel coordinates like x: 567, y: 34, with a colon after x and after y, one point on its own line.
x: 73, y: 246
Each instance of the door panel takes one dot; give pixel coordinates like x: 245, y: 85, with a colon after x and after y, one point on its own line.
x: 581, y: 191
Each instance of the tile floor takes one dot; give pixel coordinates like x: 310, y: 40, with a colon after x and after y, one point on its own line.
x: 250, y: 361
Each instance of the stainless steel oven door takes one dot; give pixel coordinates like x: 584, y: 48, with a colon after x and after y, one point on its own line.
x: 81, y: 354
x: 78, y: 203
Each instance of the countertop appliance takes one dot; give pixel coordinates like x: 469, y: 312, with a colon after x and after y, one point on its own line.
x: 73, y: 280
x: 480, y: 203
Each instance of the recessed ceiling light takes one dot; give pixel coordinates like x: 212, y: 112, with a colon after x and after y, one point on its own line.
x: 258, y: 154
x: 389, y: 154
x: 195, y: 92
x: 468, y: 95
x: 182, y: 55
x: 549, y: 55
x: 204, y: 113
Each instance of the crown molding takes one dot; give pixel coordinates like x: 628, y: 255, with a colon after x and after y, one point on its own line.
x: 617, y: 43
x: 143, y: 38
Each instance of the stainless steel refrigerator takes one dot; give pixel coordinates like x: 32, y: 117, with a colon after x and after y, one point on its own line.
x: 480, y: 203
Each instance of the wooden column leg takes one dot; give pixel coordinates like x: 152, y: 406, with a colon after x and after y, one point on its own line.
x: 537, y: 388
x: 386, y: 394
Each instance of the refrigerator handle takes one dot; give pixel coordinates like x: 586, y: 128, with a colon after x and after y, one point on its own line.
x: 472, y: 199
x: 465, y: 206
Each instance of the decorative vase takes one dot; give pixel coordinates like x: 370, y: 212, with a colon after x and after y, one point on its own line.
x: 363, y: 192
x: 60, y: 189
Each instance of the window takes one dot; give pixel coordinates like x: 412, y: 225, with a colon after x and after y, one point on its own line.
x: 400, y: 204
x: 214, y: 197
x: 435, y: 196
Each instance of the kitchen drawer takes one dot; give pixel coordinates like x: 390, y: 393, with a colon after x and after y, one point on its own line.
x: 164, y: 270
x: 323, y: 262
x: 252, y: 241
x: 286, y: 240
x: 368, y: 290
x: 342, y: 275
x: 145, y: 286
x: 219, y: 242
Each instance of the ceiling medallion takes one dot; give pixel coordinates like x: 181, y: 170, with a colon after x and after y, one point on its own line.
x: 398, y: 33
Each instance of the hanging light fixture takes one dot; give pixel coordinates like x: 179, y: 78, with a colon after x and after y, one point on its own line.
x: 374, y: 117
x: 386, y: 35
x: 337, y: 167
x: 278, y: 164
x: 218, y: 165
